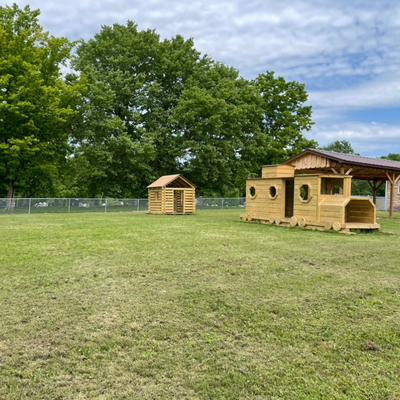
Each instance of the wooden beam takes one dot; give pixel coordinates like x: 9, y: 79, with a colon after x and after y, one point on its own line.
x: 393, y: 181
x: 391, y: 199
x: 374, y: 188
x: 380, y: 185
x: 390, y: 178
x: 334, y: 170
x: 348, y: 171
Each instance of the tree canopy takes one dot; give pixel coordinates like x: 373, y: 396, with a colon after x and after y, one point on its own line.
x: 134, y: 107
x: 34, y: 101
x: 392, y: 156
x: 156, y: 107
x: 284, y: 117
x: 340, y: 146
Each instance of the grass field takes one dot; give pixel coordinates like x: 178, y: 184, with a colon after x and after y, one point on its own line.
x: 137, y: 306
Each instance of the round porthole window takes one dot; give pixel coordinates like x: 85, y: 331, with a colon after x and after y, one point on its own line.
x: 253, y: 192
x: 273, y: 192
x: 305, y: 193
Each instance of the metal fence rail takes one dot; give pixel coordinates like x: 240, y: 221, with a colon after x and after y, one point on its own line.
x: 225, y: 203
x: 84, y: 205
x: 73, y: 205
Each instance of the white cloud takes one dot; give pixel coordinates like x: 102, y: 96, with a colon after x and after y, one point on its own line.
x: 373, y: 139
x: 349, y: 49
x: 383, y: 92
x: 316, y: 36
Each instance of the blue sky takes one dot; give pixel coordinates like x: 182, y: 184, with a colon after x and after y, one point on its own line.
x: 346, y: 52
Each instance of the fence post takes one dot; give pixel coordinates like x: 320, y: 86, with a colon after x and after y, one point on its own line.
x: 222, y: 203
x: 105, y: 208
x: 29, y: 206
x: 69, y: 205
x: 138, y: 202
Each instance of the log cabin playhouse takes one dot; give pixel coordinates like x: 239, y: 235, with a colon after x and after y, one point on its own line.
x: 317, y: 201
x: 172, y: 194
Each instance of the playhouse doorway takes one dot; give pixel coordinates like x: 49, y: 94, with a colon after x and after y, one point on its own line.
x: 289, y: 198
x: 178, y: 201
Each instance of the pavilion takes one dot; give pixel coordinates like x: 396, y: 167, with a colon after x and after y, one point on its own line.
x: 373, y: 170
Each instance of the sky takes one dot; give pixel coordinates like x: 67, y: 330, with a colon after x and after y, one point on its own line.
x: 346, y: 52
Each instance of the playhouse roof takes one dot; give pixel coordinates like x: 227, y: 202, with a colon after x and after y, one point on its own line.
x: 179, y: 181
x: 322, y: 161
x: 351, y: 159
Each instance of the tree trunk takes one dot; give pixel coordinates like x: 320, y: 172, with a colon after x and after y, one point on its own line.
x: 10, y: 196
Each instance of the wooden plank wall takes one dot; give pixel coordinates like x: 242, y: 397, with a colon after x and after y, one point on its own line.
x: 182, y: 203
x: 332, y: 208
x: 308, y: 210
x: 155, y: 201
x: 262, y: 205
x: 360, y: 210
x: 189, y: 201
x: 277, y: 171
x: 169, y: 201
x: 309, y: 161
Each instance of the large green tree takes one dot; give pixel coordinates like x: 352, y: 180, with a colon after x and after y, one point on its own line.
x: 285, y: 116
x: 34, y: 101
x: 340, y: 146
x: 152, y: 109
x: 127, y: 135
x: 156, y: 107
x: 392, y: 156
x: 220, y: 132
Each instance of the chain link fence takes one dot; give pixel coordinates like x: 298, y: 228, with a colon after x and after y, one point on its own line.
x: 73, y: 205
x: 83, y: 205
x: 220, y: 203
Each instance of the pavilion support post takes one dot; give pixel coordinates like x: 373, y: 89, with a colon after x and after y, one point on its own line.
x: 391, y: 199
x: 374, y: 186
x: 393, y: 179
x: 342, y: 173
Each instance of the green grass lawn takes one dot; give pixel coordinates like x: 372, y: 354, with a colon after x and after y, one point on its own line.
x: 137, y: 306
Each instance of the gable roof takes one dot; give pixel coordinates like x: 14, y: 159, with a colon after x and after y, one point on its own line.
x: 322, y: 161
x: 352, y: 159
x: 179, y: 180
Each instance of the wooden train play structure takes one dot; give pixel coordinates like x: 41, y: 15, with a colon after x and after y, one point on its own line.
x: 172, y: 194
x: 317, y: 201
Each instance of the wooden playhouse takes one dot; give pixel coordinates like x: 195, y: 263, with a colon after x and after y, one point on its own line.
x: 172, y: 194
x: 317, y: 201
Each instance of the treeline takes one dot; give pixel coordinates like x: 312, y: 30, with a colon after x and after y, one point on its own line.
x: 108, y: 116
x: 131, y: 108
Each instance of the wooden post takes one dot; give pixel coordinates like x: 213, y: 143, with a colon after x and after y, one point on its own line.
x: 391, y: 199
x: 374, y: 189
x: 374, y: 186
x: 393, y: 179
x: 342, y: 172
